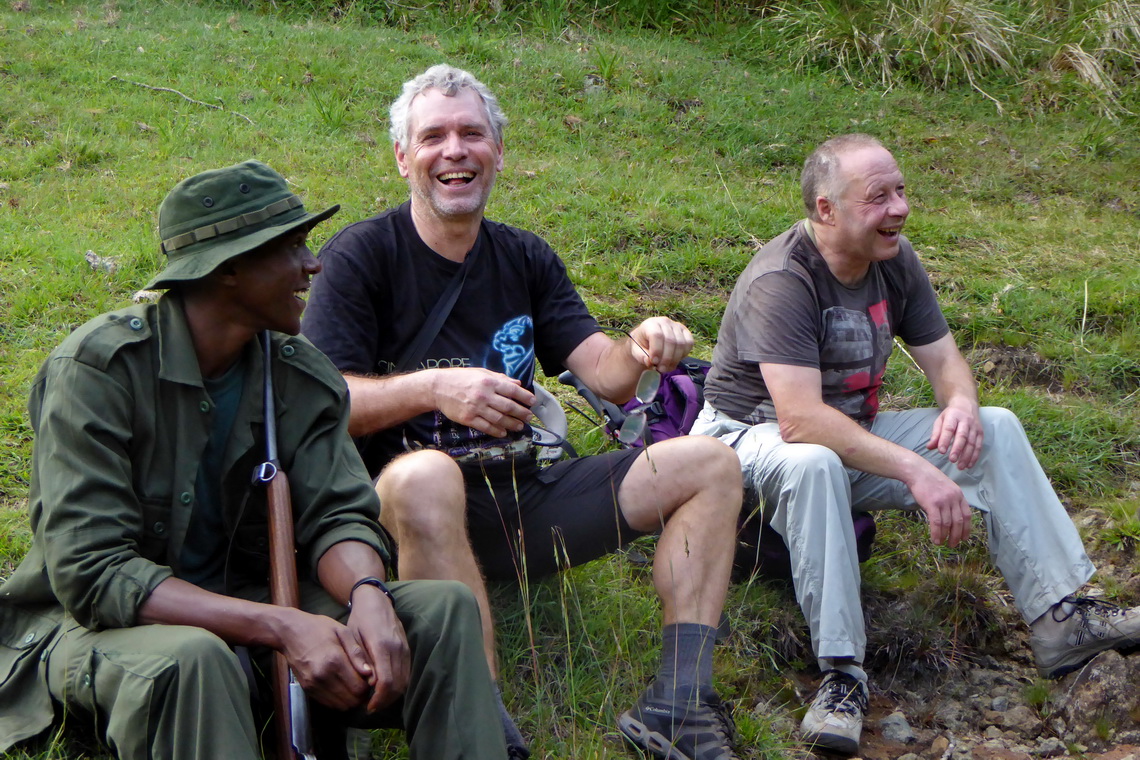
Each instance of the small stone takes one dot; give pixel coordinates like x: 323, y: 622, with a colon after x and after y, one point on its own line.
x: 1050, y: 747
x: 149, y: 296
x: 896, y: 729
x: 962, y: 752
x: 993, y: 732
x: 949, y: 714
x: 101, y: 263
x: 1000, y: 704
x: 938, y: 746
x: 909, y: 756
x: 1023, y: 720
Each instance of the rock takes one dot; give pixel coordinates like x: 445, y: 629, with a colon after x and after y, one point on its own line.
x: 909, y: 756
x: 150, y: 296
x: 999, y: 704
x: 1022, y: 720
x: 962, y: 751
x: 895, y: 728
x: 1050, y: 747
x: 989, y: 751
x: 1102, y: 698
x: 950, y: 715
x: 938, y: 747
x: 993, y: 732
x: 101, y: 263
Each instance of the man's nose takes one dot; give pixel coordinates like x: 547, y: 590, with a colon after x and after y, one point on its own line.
x: 454, y: 147
x: 899, y: 206
x: 311, y: 263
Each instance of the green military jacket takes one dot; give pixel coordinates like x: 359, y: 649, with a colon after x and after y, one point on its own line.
x: 121, y: 418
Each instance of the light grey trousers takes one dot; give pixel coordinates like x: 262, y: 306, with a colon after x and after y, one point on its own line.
x: 809, y: 495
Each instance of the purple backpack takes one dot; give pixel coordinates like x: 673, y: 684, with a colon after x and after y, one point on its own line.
x: 677, y: 405
x: 759, y: 549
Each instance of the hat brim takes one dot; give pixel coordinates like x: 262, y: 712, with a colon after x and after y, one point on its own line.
x: 221, y: 250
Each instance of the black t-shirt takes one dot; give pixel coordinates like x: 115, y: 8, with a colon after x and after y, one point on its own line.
x: 788, y: 308
x: 379, y: 283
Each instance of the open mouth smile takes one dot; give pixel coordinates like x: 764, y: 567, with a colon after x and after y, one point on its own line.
x: 890, y: 232
x: 456, y: 178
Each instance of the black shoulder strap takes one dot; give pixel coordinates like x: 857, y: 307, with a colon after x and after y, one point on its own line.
x: 434, y: 322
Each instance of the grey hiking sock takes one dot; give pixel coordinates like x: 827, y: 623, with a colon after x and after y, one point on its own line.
x: 687, y: 655
x: 516, y: 744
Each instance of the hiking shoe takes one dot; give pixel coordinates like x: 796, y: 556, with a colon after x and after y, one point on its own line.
x: 835, y: 719
x: 693, y: 725
x: 1077, y: 628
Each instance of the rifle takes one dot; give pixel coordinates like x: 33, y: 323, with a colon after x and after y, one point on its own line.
x: 291, y: 710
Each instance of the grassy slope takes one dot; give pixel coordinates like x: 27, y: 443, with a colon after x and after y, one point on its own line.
x: 653, y: 185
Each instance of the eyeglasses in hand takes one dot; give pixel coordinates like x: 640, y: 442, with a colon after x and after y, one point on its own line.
x: 633, y: 427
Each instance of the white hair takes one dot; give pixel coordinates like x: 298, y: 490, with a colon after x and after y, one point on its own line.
x: 449, y: 81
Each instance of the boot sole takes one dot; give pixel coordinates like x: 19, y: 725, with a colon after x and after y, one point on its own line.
x: 641, y: 737
x: 840, y: 745
x: 1064, y: 668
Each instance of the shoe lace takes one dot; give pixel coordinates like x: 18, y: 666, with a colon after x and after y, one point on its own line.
x: 844, y: 694
x: 1086, y: 607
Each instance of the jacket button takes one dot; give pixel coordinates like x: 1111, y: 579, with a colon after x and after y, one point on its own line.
x: 288, y: 350
x: 159, y: 528
x: 204, y: 406
x: 136, y: 323
x: 87, y: 680
x: 30, y: 638
x: 186, y: 497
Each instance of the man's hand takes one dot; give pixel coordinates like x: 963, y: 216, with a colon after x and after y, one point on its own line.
x: 488, y: 401
x: 329, y: 659
x: 958, y: 433
x: 664, y: 341
x: 944, y: 504
x: 373, y: 620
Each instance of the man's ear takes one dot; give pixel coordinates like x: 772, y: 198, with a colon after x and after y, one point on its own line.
x: 824, y: 209
x: 225, y: 273
x: 401, y: 160
x: 499, y: 161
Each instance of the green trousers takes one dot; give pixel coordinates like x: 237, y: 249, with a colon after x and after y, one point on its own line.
x: 159, y: 691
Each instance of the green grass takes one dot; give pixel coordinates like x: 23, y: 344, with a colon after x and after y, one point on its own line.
x: 654, y: 163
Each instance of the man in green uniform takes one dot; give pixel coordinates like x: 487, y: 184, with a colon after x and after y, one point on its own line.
x: 148, y: 560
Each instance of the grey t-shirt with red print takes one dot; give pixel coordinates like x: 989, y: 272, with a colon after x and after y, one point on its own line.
x: 788, y: 308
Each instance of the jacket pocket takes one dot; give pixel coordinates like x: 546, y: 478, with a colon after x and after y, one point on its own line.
x: 155, y: 529
x: 23, y: 635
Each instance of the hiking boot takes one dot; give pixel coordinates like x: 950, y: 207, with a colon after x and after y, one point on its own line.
x: 693, y: 725
x: 1076, y: 629
x: 835, y: 719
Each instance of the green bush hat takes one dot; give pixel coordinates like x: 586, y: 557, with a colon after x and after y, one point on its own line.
x: 217, y: 215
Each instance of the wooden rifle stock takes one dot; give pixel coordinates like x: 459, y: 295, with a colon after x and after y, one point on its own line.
x: 283, y: 591
x: 291, y: 715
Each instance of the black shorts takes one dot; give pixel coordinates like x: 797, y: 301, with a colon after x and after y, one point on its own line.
x: 541, y: 520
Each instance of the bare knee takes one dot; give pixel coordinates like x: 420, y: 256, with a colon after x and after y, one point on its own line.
x: 719, y: 457
x: 422, y: 496
x: 695, y: 469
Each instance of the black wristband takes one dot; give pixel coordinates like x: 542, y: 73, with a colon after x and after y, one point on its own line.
x: 371, y: 581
